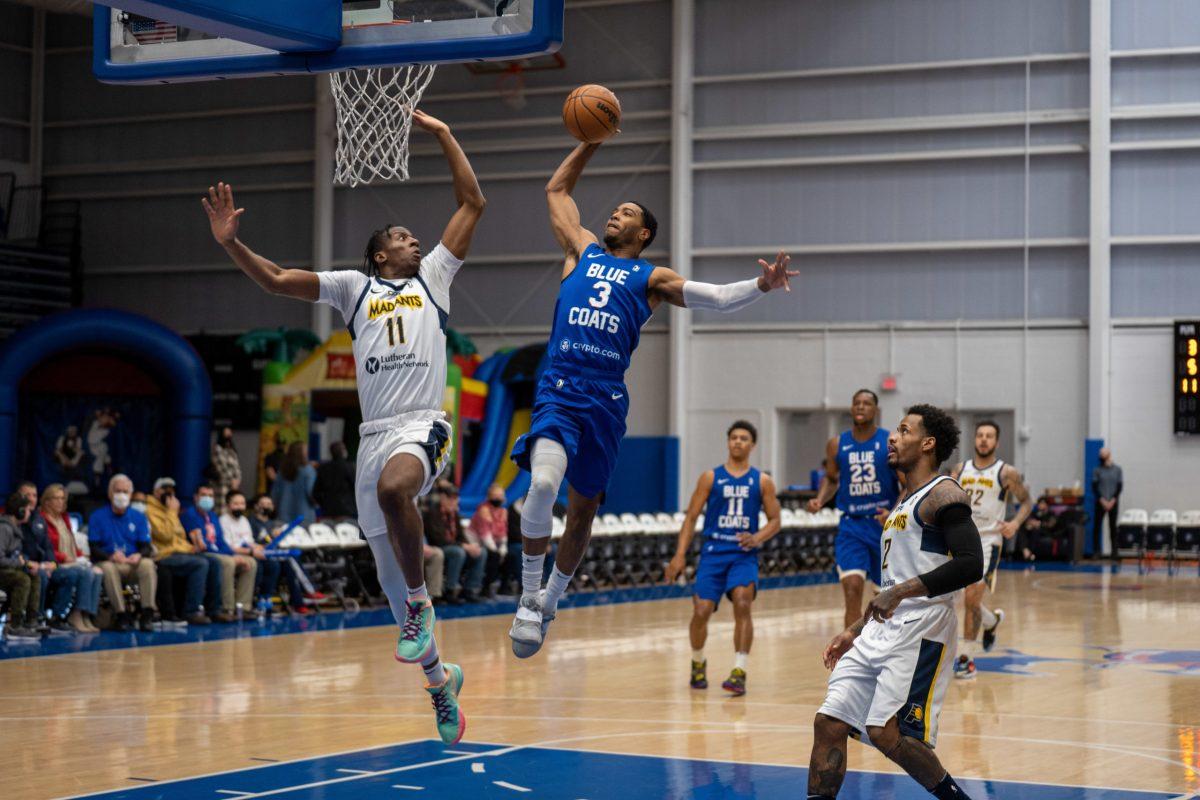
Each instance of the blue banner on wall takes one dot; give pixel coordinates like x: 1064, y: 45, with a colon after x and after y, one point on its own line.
x: 82, y: 441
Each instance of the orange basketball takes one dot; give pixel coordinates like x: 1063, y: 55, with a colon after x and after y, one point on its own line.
x: 592, y: 113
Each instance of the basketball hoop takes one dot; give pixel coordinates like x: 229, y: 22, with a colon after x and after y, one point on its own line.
x: 374, y: 119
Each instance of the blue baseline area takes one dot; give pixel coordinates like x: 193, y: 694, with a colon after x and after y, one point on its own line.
x: 469, y: 771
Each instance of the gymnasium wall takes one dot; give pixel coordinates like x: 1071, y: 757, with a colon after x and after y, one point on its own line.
x: 925, y: 161
x: 15, y: 38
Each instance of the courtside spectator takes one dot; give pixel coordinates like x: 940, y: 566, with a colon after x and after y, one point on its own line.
x: 292, y: 491
x: 266, y: 528
x: 490, y: 525
x: 119, y: 540
x: 444, y: 529
x: 227, y: 472
x: 334, y: 487
x: 39, y: 555
x: 238, y: 573
x: 239, y: 535
x: 16, y: 581
x: 178, y: 559
x: 1107, y: 482
x: 78, y: 581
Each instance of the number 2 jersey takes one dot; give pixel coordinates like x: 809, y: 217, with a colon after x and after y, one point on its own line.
x: 912, y: 545
x: 866, y: 484
x: 733, y: 507
x: 602, y: 306
x: 399, y: 332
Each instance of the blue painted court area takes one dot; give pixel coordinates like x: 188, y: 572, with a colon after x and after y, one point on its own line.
x: 474, y: 771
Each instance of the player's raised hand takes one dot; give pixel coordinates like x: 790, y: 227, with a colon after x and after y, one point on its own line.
x: 777, y: 275
x: 837, y: 648
x: 428, y: 123
x: 223, y: 215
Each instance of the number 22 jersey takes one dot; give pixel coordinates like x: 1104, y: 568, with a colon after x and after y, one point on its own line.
x: 399, y: 332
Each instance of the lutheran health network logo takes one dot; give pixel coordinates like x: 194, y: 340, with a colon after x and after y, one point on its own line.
x: 374, y: 364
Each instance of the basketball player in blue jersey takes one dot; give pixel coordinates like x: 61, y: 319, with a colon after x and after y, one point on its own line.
x: 856, y: 468
x: 731, y: 497
x: 607, y: 294
x: 891, y: 667
x: 395, y: 309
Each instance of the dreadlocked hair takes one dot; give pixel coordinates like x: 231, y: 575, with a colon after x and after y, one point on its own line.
x: 377, y: 242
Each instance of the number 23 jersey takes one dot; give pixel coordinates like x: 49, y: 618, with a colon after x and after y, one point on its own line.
x: 399, y: 332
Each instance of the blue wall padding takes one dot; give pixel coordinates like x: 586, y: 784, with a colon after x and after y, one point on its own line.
x: 157, y: 348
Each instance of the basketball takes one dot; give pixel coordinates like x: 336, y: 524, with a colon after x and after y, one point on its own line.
x: 592, y: 113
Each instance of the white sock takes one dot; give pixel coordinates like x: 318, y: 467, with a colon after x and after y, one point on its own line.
x: 531, y: 573
x: 434, y: 674
x: 739, y: 661
x: 554, y: 590
x: 988, y: 618
x: 970, y: 648
x: 698, y: 656
x: 418, y: 593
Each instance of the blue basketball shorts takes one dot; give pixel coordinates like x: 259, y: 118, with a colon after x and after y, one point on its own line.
x: 720, y: 572
x: 587, y: 417
x: 856, y: 548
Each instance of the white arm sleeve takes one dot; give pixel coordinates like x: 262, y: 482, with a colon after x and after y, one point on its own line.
x: 726, y: 297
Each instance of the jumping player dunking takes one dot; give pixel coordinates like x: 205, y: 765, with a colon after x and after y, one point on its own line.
x: 396, y: 311
x: 730, y: 497
x: 857, y: 470
x: 989, y: 483
x: 891, y: 668
x: 607, y: 294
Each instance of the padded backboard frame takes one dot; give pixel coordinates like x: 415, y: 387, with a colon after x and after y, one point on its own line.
x: 534, y: 31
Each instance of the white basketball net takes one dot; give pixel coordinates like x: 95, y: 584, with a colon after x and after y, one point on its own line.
x: 374, y: 119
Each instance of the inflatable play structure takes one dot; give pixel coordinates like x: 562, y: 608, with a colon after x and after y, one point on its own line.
x: 87, y: 392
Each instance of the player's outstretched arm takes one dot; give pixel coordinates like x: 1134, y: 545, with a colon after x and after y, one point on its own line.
x: 688, y: 530
x: 668, y: 286
x: 224, y: 218
x: 829, y: 481
x: 770, y: 504
x: 1015, y: 484
x: 944, y: 508
x: 564, y: 214
x: 468, y: 195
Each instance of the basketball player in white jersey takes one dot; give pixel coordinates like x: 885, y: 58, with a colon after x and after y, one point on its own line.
x: 989, y: 483
x: 396, y: 311
x: 892, y: 667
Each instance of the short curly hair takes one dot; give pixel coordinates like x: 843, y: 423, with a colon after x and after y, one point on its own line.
x: 941, y: 426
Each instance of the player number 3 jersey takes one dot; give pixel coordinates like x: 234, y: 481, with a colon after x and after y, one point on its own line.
x: 399, y: 332
x: 911, y: 548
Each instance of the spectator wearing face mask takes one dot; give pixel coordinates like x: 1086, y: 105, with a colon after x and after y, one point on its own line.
x: 490, y: 524
x: 238, y: 572
x: 266, y: 527
x: 22, y: 587
x: 39, y: 557
x: 239, y: 534
x: 227, y: 471
x: 119, y: 541
x: 179, y: 562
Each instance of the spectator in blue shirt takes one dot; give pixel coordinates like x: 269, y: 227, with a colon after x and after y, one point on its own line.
x: 238, y: 572
x: 119, y: 540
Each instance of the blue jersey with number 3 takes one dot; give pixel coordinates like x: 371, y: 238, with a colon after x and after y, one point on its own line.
x: 866, y: 483
x: 602, y: 306
x: 733, y: 508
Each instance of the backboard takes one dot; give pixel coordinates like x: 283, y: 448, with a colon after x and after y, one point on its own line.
x: 133, y: 49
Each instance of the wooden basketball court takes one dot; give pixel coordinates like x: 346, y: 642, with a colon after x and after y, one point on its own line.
x: 1090, y: 686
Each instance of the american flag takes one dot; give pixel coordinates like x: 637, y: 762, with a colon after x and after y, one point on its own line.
x: 151, y: 31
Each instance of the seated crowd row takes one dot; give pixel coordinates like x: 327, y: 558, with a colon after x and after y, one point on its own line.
x: 187, y: 564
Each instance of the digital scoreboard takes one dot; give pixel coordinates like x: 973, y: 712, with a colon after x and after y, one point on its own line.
x: 1187, y: 377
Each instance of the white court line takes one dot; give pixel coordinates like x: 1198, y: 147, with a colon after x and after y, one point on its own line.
x: 478, y: 767
x: 513, y: 786
x: 248, y: 769
x: 232, y: 792
x: 410, y: 788
x: 354, y: 771
x: 460, y: 752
